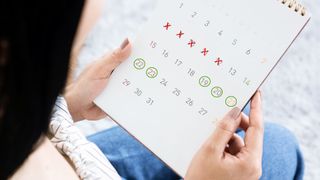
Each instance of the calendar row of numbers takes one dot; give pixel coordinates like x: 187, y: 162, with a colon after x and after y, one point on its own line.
x: 180, y: 34
x: 204, y: 81
x: 175, y: 92
x: 206, y: 23
x: 232, y: 71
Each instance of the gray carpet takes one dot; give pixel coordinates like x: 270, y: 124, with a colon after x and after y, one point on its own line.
x: 291, y: 95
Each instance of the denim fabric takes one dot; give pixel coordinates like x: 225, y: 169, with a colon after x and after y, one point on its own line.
x: 282, y: 158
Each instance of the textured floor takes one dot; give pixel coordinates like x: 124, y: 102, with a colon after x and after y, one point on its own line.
x: 291, y: 95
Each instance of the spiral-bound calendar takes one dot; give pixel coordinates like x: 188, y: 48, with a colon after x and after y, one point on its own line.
x: 192, y: 63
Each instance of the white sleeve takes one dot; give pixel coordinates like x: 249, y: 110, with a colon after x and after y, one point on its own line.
x: 88, y: 160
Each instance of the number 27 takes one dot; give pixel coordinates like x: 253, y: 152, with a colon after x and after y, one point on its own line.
x: 202, y: 111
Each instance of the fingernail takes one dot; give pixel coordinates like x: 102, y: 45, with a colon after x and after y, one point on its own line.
x: 234, y: 113
x: 260, y: 94
x: 256, y: 100
x: 124, y: 44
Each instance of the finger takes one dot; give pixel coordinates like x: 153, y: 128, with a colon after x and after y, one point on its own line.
x: 110, y: 61
x: 224, y: 131
x: 244, y: 122
x: 236, y: 143
x: 95, y: 113
x: 254, y: 133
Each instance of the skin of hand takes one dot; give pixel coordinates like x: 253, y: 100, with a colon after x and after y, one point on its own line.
x: 227, y: 156
x: 91, y: 82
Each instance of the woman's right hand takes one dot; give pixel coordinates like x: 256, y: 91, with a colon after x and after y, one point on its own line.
x: 227, y: 156
x: 81, y: 93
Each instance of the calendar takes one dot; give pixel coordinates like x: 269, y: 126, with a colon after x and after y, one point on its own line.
x: 192, y: 63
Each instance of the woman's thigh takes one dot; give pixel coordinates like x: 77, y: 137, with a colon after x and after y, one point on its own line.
x: 129, y: 157
x: 281, y: 155
x: 282, y: 158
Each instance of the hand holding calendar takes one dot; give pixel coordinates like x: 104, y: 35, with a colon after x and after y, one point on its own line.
x: 193, y: 62
x: 91, y: 83
x: 225, y: 152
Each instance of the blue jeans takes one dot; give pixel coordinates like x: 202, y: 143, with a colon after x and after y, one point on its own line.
x: 282, y: 158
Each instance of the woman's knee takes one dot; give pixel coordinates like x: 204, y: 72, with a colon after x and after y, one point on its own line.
x: 282, y: 157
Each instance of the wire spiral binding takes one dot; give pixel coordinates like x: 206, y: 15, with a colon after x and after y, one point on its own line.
x: 292, y: 4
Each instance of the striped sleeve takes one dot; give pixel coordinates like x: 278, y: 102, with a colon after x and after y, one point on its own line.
x: 88, y: 160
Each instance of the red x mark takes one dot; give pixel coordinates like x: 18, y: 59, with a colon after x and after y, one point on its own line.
x: 205, y: 51
x: 180, y: 34
x: 191, y: 43
x: 218, y: 61
x: 167, y: 25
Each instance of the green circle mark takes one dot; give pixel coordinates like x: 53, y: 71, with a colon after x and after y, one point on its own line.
x: 152, y: 72
x: 205, y: 78
x: 233, y: 103
x: 139, y: 63
x: 214, y: 92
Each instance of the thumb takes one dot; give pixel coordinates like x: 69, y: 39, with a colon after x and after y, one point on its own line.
x: 225, y: 130
x: 110, y: 61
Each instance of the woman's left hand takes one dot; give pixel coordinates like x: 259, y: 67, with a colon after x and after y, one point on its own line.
x: 225, y: 155
x: 91, y: 82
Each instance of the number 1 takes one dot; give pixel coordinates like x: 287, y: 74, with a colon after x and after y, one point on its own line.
x: 181, y: 5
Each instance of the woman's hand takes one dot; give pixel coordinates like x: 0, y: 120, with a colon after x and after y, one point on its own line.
x: 225, y: 155
x: 80, y: 94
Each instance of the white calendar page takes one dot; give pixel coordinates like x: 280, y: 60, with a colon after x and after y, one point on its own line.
x: 192, y: 63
